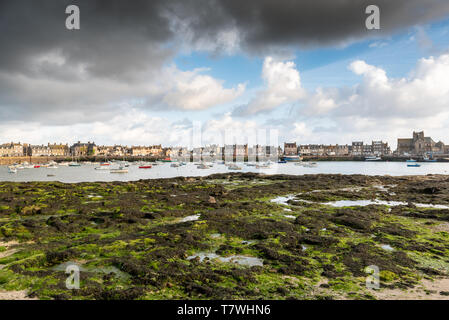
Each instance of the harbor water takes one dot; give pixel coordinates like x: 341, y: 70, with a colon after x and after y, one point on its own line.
x: 87, y: 172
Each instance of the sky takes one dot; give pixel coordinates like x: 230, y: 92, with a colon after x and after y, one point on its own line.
x: 197, y: 72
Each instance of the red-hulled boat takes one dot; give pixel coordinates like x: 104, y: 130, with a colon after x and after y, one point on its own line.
x: 145, y: 167
x: 37, y: 167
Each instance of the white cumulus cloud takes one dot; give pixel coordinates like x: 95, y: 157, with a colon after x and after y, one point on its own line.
x: 282, y: 85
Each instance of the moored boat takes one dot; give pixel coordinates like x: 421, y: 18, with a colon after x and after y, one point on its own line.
x: 12, y: 170
x: 64, y: 164
x: 266, y: 165
x: 101, y: 168
x: 145, y: 166
x: 234, y: 167
x: 310, y: 164
x: 427, y: 159
x: 202, y: 166
x: 119, y: 170
x: 413, y: 165
x: 292, y: 158
x: 373, y: 158
x: 74, y: 164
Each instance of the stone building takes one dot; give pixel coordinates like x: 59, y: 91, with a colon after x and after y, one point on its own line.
x: 143, y: 151
x: 367, y: 150
x: 342, y: 150
x: 59, y: 150
x: 357, y: 148
x: 80, y: 149
x: 418, y: 145
x: 112, y: 151
x: 11, y: 150
x: 290, y: 149
x: 38, y: 150
x: 380, y: 148
x: 312, y: 150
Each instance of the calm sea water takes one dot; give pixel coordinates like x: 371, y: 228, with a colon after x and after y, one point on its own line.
x: 87, y: 172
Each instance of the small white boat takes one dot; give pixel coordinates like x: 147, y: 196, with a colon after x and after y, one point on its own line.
x: 12, y: 170
x: 119, y: 170
x: 310, y: 164
x: 234, y: 167
x: 102, y: 168
x: 373, y: 158
x: 74, y: 164
x: 52, y: 167
x: 263, y: 166
x: 174, y: 165
x: 427, y: 159
x: 202, y: 166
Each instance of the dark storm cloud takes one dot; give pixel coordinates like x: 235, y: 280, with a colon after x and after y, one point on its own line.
x: 264, y: 24
x: 47, y: 71
x: 118, y: 38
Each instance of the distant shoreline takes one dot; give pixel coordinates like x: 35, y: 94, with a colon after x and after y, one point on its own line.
x: 37, y: 160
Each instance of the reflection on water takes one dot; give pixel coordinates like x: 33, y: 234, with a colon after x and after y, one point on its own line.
x: 283, y: 199
x: 363, y: 203
x: 190, y: 218
x: 242, y: 260
x: 387, y: 247
x: 87, y: 172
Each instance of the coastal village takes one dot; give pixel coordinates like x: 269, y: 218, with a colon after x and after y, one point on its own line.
x: 418, y: 145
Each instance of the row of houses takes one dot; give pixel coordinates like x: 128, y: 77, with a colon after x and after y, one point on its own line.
x: 357, y: 148
x: 419, y: 144
x: 233, y: 150
x: 19, y: 150
x: 78, y: 149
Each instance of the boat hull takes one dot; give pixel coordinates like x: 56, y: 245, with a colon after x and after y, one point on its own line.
x: 292, y: 158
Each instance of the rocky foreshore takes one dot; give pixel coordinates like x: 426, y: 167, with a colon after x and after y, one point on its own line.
x: 227, y: 236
